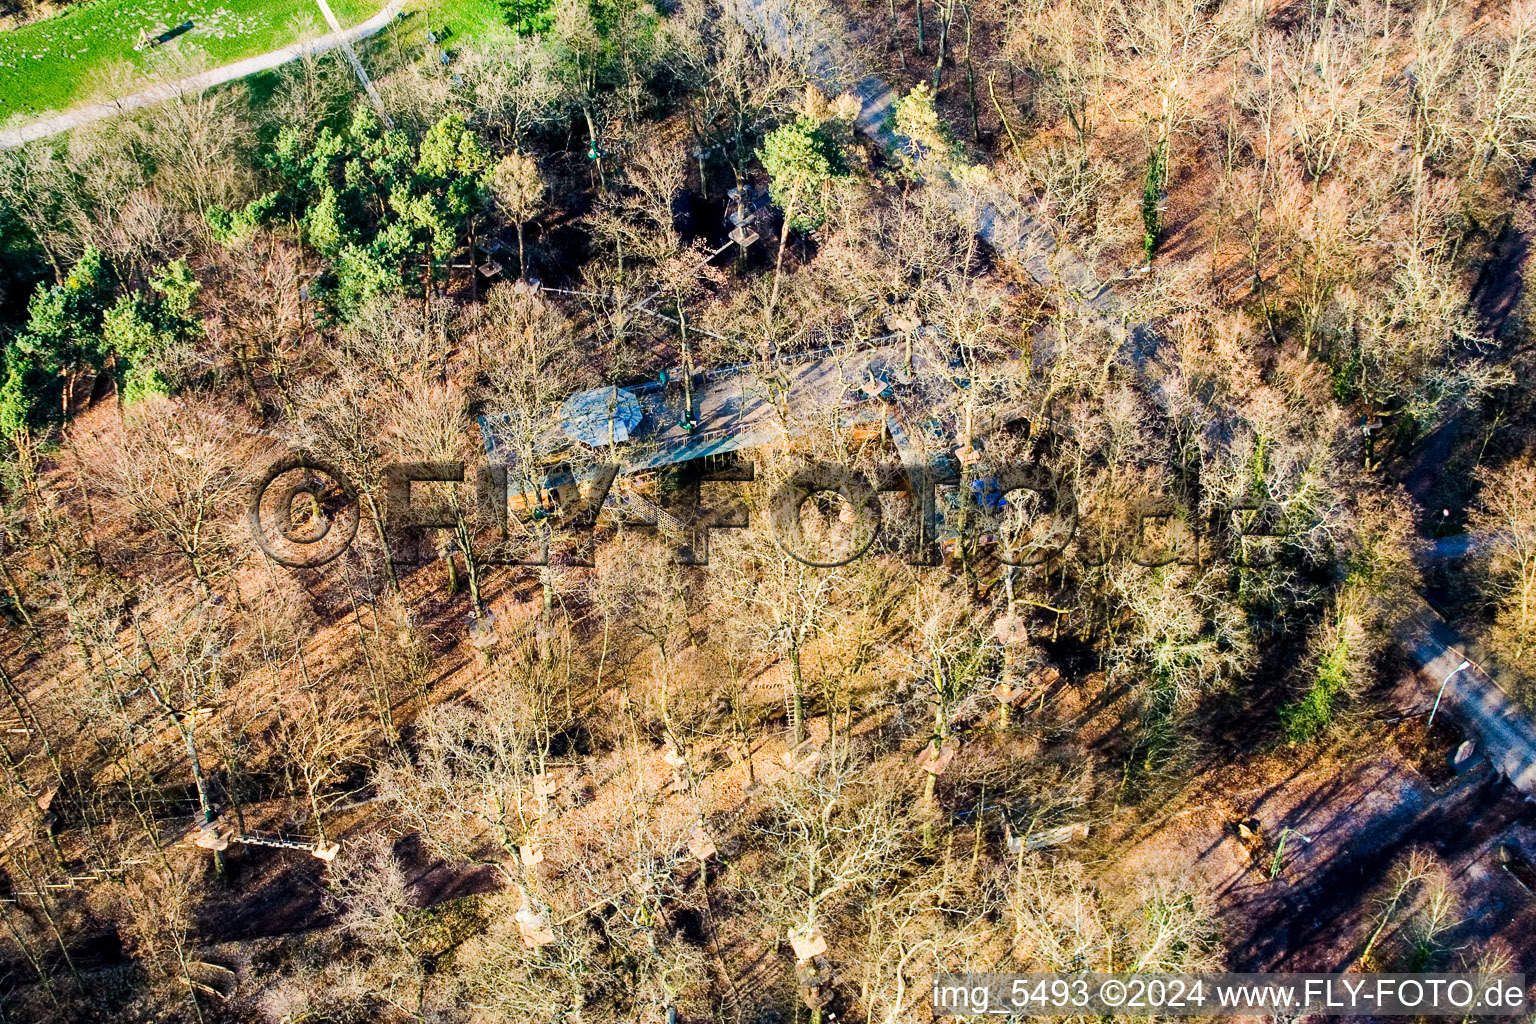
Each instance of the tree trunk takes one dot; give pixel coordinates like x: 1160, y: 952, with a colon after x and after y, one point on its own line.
x: 970, y: 77
x: 778, y: 265
x: 474, y: 270
x: 378, y: 525
x: 797, y: 681
x: 464, y: 538
x: 314, y: 807
x: 426, y: 282
x: 32, y: 958
x: 204, y: 798
x: 1002, y: 117
x: 935, y: 744
x: 547, y: 586
x: 938, y: 66
x: 15, y: 592
x: 596, y: 154
x: 682, y: 327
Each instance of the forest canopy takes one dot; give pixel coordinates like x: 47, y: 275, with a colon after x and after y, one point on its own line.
x: 1150, y: 377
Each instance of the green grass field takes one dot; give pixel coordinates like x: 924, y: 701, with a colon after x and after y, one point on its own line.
x: 86, y: 53
x: 466, y: 21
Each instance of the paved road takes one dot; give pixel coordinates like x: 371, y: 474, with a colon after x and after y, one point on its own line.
x: 1504, y: 734
x: 1500, y: 727
x: 1458, y: 545
x: 12, y: 137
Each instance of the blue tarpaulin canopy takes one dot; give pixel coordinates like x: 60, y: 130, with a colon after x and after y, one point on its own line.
x: 601, y: 416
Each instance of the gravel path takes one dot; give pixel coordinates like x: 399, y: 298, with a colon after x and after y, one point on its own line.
x: 12, y: 137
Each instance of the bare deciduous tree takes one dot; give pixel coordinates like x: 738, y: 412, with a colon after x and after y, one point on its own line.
x: 1506, y: 518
